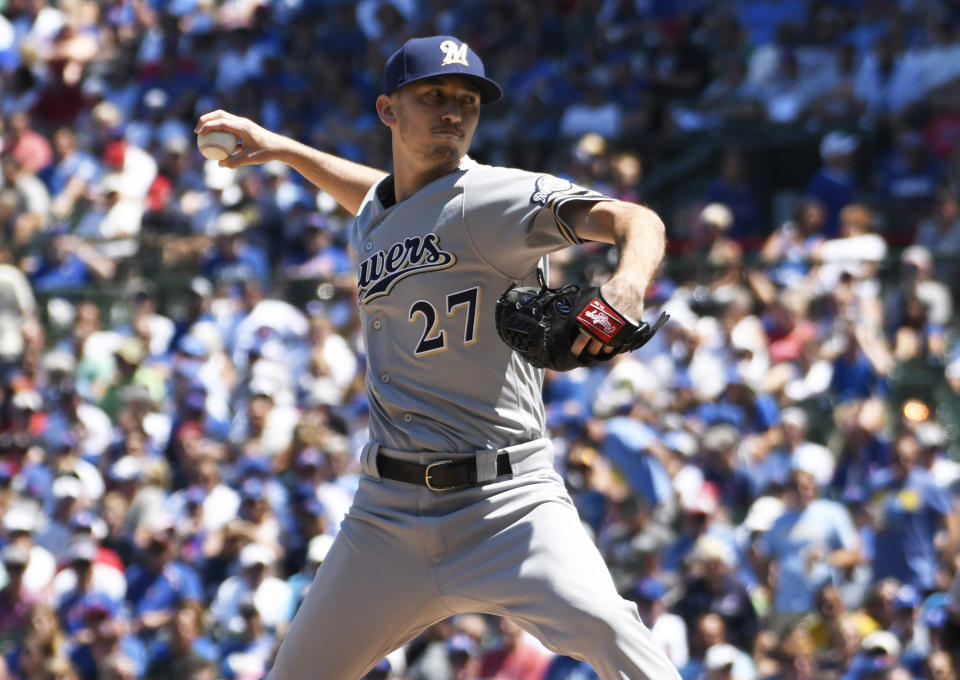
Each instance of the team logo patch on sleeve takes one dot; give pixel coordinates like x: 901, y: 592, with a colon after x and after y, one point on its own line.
x: 549, y: 187
x: 602, y: 322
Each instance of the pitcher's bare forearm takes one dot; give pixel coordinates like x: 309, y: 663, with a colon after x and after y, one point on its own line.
x: 346, y: 181
x: 640, y: 238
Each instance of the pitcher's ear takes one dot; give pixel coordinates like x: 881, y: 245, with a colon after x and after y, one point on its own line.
x: 385, y: 110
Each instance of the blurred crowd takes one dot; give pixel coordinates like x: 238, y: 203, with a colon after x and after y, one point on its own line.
x: 773, y: 479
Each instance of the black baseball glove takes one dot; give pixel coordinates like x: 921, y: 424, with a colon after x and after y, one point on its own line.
x: 541, y: 324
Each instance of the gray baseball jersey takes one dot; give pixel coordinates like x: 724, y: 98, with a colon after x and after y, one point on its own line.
x: 431, y: 268
x: 441, y: 381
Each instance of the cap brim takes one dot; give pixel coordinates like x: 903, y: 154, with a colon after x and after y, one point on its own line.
x: 489, y: 90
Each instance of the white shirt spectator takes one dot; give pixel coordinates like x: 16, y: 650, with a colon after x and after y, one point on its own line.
x: 219, y: 507
x: 39, y: 573
x: 16, y: 303
x: 98, y: 430
x: 670, y: 632
x: 342, y: 364
x: 273, y: 599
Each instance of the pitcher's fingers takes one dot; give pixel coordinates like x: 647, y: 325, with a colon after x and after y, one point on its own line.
x: 594, y: 347
x: 206, y: 118
x: 224, y: 124
x: 238, y: 158
x: 580, y: 343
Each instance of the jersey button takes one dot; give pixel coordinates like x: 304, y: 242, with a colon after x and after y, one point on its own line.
x: 377, y: 324
x: 368, y: 245
x: 384, y: 378
x: 407, y: 418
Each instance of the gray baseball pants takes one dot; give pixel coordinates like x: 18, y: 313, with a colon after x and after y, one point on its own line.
x: 407, y: 557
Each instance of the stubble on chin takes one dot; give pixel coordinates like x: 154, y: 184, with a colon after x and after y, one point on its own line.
x: 443, y: 154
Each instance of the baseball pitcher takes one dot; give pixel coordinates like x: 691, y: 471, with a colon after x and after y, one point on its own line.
x: 459, y: 508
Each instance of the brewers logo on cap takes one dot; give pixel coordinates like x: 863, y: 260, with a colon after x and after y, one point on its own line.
x: 454, y: 54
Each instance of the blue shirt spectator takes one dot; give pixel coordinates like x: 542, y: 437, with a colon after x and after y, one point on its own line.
x: 834, y: 184
x: 911, y: 509
x: 810, y: 542
x: 159, y: 584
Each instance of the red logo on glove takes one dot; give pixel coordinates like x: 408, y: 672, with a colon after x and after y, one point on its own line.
x: 602, y: 322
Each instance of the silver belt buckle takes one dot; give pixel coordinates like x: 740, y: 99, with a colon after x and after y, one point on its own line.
x: 426, y: 476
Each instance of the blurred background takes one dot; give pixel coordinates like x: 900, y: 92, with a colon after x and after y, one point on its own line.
x: 773, y: 480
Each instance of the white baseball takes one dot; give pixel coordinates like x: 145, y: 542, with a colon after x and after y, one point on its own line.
x: 217, y: 145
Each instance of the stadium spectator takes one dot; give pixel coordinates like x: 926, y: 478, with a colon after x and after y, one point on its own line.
x: 714, y: 587
x: 814, y: 540
x: 835, y: 184
x: 517, y: 656
x: 668, y: 629
x: 158, y: 583
x: 911, y: 509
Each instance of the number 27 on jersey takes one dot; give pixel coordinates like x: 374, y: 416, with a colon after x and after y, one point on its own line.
x: 433, y: 338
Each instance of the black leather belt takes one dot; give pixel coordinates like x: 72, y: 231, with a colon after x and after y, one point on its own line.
x: 442, y: 475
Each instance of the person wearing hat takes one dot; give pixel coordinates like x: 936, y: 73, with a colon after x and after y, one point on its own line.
x: 131, y: 370
x: 266, y: 421
x: 317, y: 549
x: 233, y: 259
x: 86, y: 577
x: 917, y: 283
x: 108, y: 646
x: 711, y: 242
x: 332, y: 364
x: 667, y: 628
x: 911, y: 509
x: 16, y: 600
x: 712, y: 585
x: 247, y: 653
x: 186, y: 641
x: 722, y: 467
x: 65, y: 458
x: 153, y: 328
x: 159, y: 581
x: 698, y: 518
x: 724, y: 661
x: 318, y: 256
x: 197, y: 297
x: 81, y: 593
x: 879, y: 655
x: 72, y: 412
x: 260, y: 522
x: 204, y: 485
x: 308, y: 519
x: 463, y: 655
x: 441, y: 236
x: 19, y: 526
x: 67, y: 493
x: 272, y: 597
x: 835, y: 183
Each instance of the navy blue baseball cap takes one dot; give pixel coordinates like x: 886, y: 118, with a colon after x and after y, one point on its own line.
x: 438, y: 55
